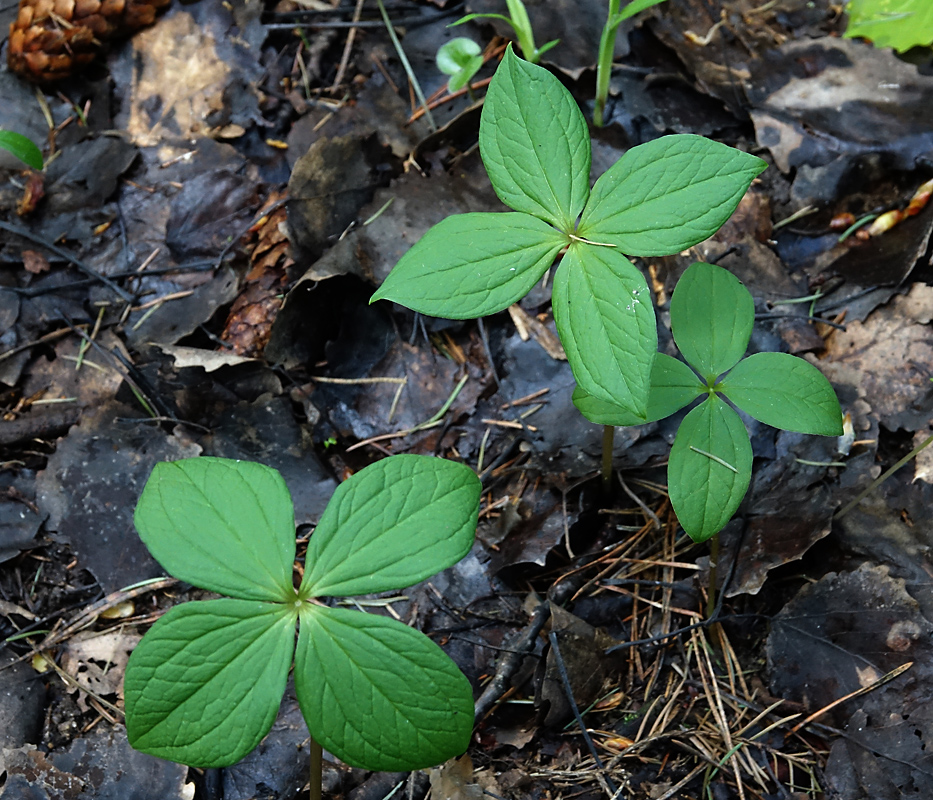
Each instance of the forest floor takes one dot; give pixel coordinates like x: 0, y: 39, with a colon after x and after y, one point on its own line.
x: 224, y: 192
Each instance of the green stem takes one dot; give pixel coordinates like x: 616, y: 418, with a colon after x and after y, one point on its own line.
x: 522, y: 25
x: 883, y: 477
x: 317, y: 770
x: 607, y: 43
x: 713, y: 577
x: 609, y: 435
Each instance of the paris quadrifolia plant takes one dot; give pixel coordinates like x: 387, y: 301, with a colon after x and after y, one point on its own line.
x: 658, y: 199
x: 205, y: 683
x: 710, y: 464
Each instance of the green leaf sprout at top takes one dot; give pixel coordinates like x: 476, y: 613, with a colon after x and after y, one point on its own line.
x: 521, y: 24
x: 205, y: 684
x: 460, y: 58
x: 658, y: 199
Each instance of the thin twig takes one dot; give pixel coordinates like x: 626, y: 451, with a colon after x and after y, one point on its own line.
x: 61, y: 253
x: 568, y: 691
x: 348, y: 47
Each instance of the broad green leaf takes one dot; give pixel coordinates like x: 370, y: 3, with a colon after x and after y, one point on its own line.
x: 391, y: 525
x: 900, y: 24
x: 712, y: 315
x: 785, y: 392
x: 665, y: 196
x: 471, y: 265
x: 205, y: 684
x: 534, y: 143
x: 709, y: 469
x: 378, y: 694
x: 673, y: 386
x: 223, y: 525
x: 602, y: 412
x: 633, y: 8
x: 22, y: 147
x: 605, y: 319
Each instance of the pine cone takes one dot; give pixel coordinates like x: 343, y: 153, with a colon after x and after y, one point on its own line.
x: 50, y: 38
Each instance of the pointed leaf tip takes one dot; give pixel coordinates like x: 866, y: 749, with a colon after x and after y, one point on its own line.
x: 204, y: 685
x: 667, y: 195
x: 605, y: 319
x: 534, y: 143
x: 472, y: 265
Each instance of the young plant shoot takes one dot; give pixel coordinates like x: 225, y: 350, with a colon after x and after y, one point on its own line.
x: 521, y: 24
x: 607, y: 44
x: 710, y: 465
x: 204, y: 685
x: 460, y: 58
x: 658, y: 199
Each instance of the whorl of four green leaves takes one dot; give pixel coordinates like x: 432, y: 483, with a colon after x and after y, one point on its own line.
x: 204, y: 685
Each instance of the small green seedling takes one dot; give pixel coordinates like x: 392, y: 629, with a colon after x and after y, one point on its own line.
x: 710, y: 464
x: 21, y: 147
x: 460, y: 58
x: 658, y: 199
x: 900, y: 24
x: 607, y: 43
x: 518, y: 19
x: 204, y: 685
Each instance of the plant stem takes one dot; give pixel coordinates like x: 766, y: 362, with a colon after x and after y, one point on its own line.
x: 317, y: 770
x: 713, y: 577
x: 408, y: 70
x: 607, y: 43
x: 522, y: 25
x: 883, y: 477
x: 609, y: 435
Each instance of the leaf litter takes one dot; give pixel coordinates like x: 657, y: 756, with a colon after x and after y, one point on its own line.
x: 171, y: 212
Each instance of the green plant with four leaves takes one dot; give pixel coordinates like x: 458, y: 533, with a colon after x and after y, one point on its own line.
x: 710, y: 465
x: 460, y: 58
x: 22, y: 147
x: 205, y: 683
x: 658, y: 199
x: 521, y: 24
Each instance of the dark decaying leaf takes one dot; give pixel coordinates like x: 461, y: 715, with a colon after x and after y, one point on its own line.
x: 100, y: 765
x: 84, y: 489
x: 842, y: 634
